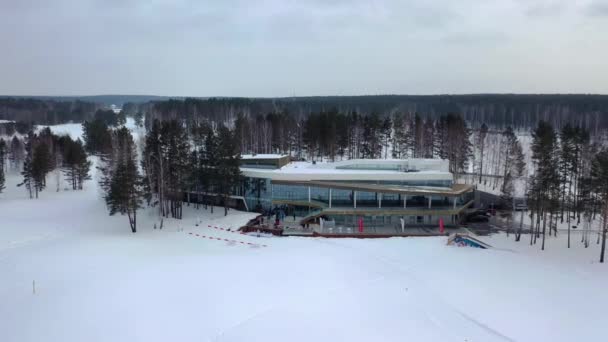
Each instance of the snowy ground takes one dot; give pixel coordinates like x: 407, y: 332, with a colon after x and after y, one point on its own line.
x: 96, y: 281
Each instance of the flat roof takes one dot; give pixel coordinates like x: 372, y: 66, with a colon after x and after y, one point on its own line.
x: 367, y: 169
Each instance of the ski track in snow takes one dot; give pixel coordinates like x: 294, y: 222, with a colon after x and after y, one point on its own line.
x: 407, y: 272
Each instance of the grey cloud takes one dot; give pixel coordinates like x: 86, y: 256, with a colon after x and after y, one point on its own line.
x: 277, y: 47
x: 545, y: 8
x: 597, y: 9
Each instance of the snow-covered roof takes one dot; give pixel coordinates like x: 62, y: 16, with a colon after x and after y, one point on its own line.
x: 263, y: 156
x: 357, y: 169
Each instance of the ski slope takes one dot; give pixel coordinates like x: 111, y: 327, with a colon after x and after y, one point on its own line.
x: 96, y: 281
x: 70, y: 273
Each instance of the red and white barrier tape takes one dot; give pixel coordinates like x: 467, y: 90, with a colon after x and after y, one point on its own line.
x: 226, y: 230
x: 227, y: 240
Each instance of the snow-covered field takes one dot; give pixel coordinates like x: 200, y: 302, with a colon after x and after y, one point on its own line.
x: 96, y: 281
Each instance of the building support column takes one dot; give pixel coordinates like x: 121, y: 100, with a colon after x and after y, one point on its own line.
x: 455, y: 202
x: 404, y: 201
x: 330, y: 197
x: 430, y: 200
x: 379, y: 200
x: 308, y: 194
x: 355, y: 199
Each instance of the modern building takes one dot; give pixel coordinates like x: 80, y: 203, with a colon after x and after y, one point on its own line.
x: 349, y: 194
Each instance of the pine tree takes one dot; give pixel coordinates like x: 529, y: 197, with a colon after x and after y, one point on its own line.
x: 385, y: 133
x: 371, y: 145
x: 75, y: 164
x: 481, y: 143
x: 513, y: 169
x: 599, y: 180
x: 242, y: 130
x: 28, y: 178
x: 124, y: 190
x: 567, y: 169
x: 41, y: 166
x: 229, y: 173
x: 17, y: 153
x: 399, y: 136
x: 418, y: 145
x: 152, y: 165
x: 210, y: 164
x: 176, y: 149
x: 452, y: 142
x: 428, y: 138
x: 2, y: 181
x: 97, y: 137
x: 139, y: 119
x: 545, y: 179
x: 83, y: 165
x: 2, y: 163
x: 581, y: 159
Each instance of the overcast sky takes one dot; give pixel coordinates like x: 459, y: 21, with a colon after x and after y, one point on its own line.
x: 314, y: 47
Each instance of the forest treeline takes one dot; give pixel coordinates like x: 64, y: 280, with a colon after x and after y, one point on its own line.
x: 495, y: 110
x: 47, y: 111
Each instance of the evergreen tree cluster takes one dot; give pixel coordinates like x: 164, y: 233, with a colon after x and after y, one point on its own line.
x: 568, y: 183
x: 110, y: 118
x: 96, y: 136
x: 44, y: 111
x: 9, y: 128
x: 44, y: 152
x: 74, y: 162
x: 203, y: 160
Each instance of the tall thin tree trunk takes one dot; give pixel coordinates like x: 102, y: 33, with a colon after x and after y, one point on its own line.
x: 532, y: 227
x: 544, y: 230
x: 604, y: 228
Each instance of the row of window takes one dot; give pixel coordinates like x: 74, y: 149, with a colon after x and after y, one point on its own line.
x: 262, y: 191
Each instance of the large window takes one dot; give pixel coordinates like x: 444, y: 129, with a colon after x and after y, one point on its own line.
x: 319, y: 194
x: 341, y: 198
x: 391, y: 200
x: 290, y: 192
x: 367, y: 199
x: 257, y: 193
